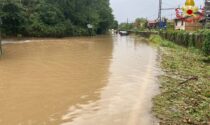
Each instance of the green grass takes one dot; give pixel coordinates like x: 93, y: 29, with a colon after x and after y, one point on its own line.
x: 187, y: 103
x: 159, y: 41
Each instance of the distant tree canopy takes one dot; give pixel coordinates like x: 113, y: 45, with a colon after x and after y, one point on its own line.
x: 126, y: 26
x: 55, y: 18
x: 139, y: 24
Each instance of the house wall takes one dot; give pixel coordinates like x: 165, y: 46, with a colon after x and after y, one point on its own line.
x: 193, y: 26
x: 179, y: 25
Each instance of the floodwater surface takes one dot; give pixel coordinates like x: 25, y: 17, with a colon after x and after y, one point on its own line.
x: 105, y: 80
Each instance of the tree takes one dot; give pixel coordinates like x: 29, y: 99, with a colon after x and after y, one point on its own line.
x: 12, y: 18
x: 115, y: 25
x: 55, y: 17
x: 140, y: 23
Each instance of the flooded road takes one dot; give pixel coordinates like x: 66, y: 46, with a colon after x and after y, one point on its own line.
x: 105, y: 80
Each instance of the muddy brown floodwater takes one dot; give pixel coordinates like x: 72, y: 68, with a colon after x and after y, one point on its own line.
x: 104, y: 80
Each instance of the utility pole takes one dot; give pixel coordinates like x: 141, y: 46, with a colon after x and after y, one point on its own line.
x: 1, y: 52
x: 207, y: 14
x: 162, y: 24
x: 160, y: 11
x: 160, y: 15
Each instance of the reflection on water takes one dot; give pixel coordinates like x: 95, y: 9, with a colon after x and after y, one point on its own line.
x: 78, y: 81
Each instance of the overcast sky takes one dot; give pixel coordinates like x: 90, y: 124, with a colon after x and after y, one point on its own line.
x: 132, y: 9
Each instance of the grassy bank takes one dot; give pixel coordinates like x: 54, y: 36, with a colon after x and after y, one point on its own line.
x: 184, y: 85
x: 199, y: 39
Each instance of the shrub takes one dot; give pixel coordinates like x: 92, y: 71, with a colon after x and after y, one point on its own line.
x: 191, y: 41
x: 199, y: 39
x: 206, y: 44
x: 158, y: 40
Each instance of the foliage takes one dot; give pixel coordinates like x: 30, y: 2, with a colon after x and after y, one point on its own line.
x: 140, y: 24
x: 12, y: 18
x: 180, y: 101
x: 55, y: 18
x: 206, y: 46
x: 115, y: 25
x: 170, y: 26
x: 199, y: 39
x: 159, y: 41
x: 126, y: 26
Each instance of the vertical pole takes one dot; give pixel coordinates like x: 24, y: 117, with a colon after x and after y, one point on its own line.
x: 1, y: 52
x: 206, y: 13
x: 205, y: 7
x: 160, y: 9
x: 159, y: 14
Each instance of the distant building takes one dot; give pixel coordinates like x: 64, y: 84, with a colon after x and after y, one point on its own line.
x: 180, y: 24
x: 152, y: 24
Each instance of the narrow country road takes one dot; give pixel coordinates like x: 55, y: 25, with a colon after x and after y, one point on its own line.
x: 104, y: 80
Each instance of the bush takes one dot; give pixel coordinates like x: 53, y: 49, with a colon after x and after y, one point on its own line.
x: 55, y: 18
x: 206, y: 44
x: 12, y: 19
x: 158, y: 40
x: 191, y: 41
x: 199, y: 39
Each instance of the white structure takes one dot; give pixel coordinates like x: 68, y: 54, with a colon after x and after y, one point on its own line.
x: 180, y: 24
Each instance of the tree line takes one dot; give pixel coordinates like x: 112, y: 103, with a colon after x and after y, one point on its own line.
x: 55, y: 18
x: 139, y: 24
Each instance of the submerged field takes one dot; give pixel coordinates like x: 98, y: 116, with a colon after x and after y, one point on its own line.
x: 185, y: 85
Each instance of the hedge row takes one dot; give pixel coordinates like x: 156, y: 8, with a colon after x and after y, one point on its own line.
x: 199, y: 39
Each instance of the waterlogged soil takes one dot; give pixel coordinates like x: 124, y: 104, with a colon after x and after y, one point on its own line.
x: 106, y: 80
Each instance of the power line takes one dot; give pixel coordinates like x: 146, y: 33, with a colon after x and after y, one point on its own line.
x: 168, y: 8
x: 163, y: 9
x: 164, y: 3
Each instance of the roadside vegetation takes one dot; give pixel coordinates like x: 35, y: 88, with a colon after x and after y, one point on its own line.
x: 140, y: 24
x: 144, y: 25
x: 198, y: 39
x: 185, y: 85
x: 55, y: 18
